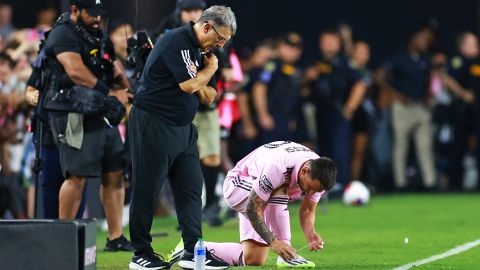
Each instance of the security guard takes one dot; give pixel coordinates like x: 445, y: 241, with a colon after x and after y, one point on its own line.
x: 276, y: 94
x: 338, y: 91
x: 177, y: 75
x: 464, y: 69
x: 79, y: 61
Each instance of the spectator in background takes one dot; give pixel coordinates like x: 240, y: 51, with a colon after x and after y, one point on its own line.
x: 276, y: 92
x: 11, y: 129
x: 361, y: 118
x: 407, y: 78
x: 338, y: 91
x: 445, y: 90
x: 185, y: 11
x: 359, y: 56
x: 252, y: 67
x: 119, y: 33
x: 6, y: 27
x: 462, y: 68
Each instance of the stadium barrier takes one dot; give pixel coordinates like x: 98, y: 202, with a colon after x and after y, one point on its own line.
x: 48, y: 244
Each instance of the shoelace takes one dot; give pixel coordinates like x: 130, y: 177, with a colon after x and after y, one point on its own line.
x: 212, y: 254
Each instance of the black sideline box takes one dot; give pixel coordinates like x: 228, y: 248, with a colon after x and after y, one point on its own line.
x: 48, y: 244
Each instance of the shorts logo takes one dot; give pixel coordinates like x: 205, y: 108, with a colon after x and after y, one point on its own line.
x: 265, y: 184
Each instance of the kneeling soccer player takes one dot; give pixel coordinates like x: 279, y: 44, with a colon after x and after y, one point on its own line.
x: 259, y: 188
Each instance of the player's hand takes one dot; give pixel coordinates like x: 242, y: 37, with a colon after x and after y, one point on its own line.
x: 283, y: 250
x: 314, y: 241
x: 121, y: 94
x: 266, y: 122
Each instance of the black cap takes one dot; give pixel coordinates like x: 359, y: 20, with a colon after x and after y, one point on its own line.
x: 292, y: 39
x: 93, y: 7
x: 192, y: 4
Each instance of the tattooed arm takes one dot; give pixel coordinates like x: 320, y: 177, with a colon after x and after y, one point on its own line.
x: 254, y: 212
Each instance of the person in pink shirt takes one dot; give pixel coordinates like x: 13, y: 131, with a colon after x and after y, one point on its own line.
x: 259, y: 188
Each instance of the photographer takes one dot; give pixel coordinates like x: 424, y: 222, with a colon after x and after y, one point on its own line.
x: 81, y: 111
x: 178, y: 74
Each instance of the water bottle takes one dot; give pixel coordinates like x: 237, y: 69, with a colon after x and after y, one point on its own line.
x: 199, y: 255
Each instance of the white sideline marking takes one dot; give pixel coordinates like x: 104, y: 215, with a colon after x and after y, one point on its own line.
x: 448, y: 253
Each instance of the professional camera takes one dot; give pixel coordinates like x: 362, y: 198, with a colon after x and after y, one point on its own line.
x: 138, y: 47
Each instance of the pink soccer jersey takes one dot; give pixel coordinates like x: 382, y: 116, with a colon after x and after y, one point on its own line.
x: 267, y: 168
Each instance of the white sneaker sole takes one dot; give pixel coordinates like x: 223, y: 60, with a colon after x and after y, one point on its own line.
x: 190, y: 265
x: 134, y: 266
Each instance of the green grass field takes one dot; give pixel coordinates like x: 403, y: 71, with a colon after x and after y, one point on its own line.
x: 369, y: 237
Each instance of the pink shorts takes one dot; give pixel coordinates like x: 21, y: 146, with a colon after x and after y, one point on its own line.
x: 236, y: 190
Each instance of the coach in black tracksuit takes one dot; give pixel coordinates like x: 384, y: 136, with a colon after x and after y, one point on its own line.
x: 163, y: 139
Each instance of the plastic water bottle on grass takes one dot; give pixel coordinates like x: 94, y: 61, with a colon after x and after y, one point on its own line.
x: 200, y: 254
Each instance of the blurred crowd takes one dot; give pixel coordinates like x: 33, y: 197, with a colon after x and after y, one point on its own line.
x: 411, y: 124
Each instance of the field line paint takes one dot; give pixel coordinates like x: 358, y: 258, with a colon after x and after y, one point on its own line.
x: 446, y: 254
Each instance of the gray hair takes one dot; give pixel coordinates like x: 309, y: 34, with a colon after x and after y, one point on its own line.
x: 220, y: 16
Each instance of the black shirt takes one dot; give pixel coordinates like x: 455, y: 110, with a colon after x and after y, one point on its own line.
x: 335, y: 81
x: 474, y: 79
x: 174, y: 59
x: 410, y: 74
x: 283, y: 84
x: 64, y: 38
x: 459, y: 69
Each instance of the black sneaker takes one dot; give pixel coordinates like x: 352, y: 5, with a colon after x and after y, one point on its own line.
x: 211, y: 262
x: 148, y: 262
x: 119, y: 244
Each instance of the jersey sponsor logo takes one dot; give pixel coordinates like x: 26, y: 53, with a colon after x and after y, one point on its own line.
x: 275, y: 145
x: 265, y: 184
x: 189, y: 65
x: 293, y: 149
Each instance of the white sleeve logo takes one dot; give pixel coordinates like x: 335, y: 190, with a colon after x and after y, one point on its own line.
x: 189, y: 65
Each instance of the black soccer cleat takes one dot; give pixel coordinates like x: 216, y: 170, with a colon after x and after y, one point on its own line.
x: 148, y: 262
x: 212, y: 262
x: 119, y: 244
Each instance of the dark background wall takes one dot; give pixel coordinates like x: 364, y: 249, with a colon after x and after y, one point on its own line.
x: 384, y: 24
